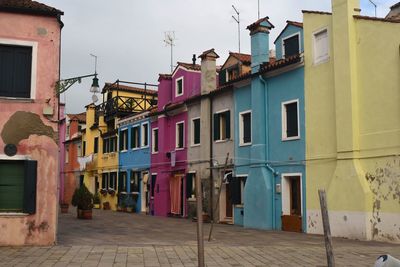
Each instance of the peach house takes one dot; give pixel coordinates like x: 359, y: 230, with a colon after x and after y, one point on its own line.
x: 29, y: 113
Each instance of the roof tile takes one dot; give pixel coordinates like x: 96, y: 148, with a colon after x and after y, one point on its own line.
x: 29, y: 6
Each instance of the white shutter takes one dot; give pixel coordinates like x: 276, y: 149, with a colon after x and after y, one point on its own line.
x: 321, y: 46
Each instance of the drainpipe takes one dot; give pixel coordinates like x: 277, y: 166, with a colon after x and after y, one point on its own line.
x: 211, y: 160
x: 274, y: 173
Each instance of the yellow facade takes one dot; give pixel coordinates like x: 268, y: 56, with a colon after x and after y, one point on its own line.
x: 353, y: 123
x: 101, y: 162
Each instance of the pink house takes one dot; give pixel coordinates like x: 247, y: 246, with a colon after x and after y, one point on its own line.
x: 169, y: 140
x: 29, y: 114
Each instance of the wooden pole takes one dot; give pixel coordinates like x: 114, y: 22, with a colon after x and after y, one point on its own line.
x: 327, y: 228
x: 217, y: 201
x: 200, y: 238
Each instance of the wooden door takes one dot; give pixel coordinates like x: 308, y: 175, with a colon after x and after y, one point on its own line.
x: 293, y: 222
x: 228, y: 198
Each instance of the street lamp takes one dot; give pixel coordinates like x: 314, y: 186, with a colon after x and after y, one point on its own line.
x: 65, y: 84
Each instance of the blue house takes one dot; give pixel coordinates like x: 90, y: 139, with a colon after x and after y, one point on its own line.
x: 134, y: 159
x: 270, y: 132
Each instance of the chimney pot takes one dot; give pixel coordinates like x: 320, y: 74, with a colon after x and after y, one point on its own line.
x: 194, y: 59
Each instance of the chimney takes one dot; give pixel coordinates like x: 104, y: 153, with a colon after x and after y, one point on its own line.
x: 208, y: 71
x: 259, y: 32
x: 194, y: 59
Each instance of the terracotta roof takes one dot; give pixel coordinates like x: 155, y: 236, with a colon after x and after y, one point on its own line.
x: 392, y: 20
x: 205, y: 53
x: 120, y: 87
x: 164, y: 77
x: 316, y: 12
x: 254, y: 25
x: 295, y: 23
x: 280, y: 63
x: 29, y: 7
x: 244, y: 58
x: 395, y: 5
x: 190, y: 66
x: 81, y: 117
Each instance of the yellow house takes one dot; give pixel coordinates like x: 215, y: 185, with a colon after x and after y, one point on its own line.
x: 100, y: 138
x: 352, y: 96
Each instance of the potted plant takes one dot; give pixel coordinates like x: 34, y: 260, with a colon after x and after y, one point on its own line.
x: 103, y: 192
x: 64, y: 207
x: 106, y: 205
x: 111, y: 191
x: 83, y: 200
x: 96, y: 200
x: 130, y: 205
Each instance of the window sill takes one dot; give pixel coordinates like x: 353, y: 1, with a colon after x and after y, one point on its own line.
x: 245, y: 144
x: 194, y: 145
x: 321, y: 61
x: 239, y: 206
x: 222, y: 141
x: 135, y: 148
x: 179, y: 148
x: 154, y: 153
x: 13, y: 214
x: 290, y: 138
x: 16, y: 99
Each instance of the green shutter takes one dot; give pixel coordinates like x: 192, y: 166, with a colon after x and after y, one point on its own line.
x: 11, y: 185
x: 222, y: 77
x: 228, y: 124
x: 216, y: 127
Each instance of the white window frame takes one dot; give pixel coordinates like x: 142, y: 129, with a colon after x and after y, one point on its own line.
x: 153, y: 141
x: 285, y: 192
x: 139, y: 139
x: 314, y: 43
x: 142, y: 134
x: 126, y: 139
x: 284, y: 120
x: 176, y: 86
x: 66, y: 154
x: 177, y: 137
x: 241, y: 128
x: 287, y: 37
x: 220, y: 128
x: 34, y: 46
x: 192, y: 132
x: 242, y: 185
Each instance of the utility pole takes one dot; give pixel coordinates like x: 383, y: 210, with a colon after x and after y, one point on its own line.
x: 200, y: 238
x: 169, y: 40
x: 258, y: 9
x: 375, y: 6
x: 238, y: 22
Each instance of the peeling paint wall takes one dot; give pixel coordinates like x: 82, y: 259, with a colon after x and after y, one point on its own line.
x: 23, y: 124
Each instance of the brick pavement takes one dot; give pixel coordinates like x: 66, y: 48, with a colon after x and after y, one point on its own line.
x: 120, y: 239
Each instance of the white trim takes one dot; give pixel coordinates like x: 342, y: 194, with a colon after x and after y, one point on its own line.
x: 142, y: 135
x: 177, y: 137
x: 220, y: 128
x: 287, y: 37
x: 176, y: 86
x: 126, y: 139
x: 34, y: 46
x: 153, y: 173
x: 16, y: 157
x: 327, y: 57
x: 153, y: 139
x: 284, y: 120
x: 241, y: 129
x: 192, y: 132
x: 180, y: 67
x: 284, y: 177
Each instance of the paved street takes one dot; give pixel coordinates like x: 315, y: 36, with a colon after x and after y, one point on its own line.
x: 121, y: 239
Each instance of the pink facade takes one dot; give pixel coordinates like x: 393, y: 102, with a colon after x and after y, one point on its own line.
x: 30, y: 124
x: 170, y: 162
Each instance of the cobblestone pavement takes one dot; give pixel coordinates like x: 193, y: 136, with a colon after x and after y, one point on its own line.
x: 121, y: 239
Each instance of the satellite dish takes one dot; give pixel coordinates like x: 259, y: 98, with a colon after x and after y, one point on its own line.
x: 95, y: 98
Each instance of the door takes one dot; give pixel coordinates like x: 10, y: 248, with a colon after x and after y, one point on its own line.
x: 144, y: 193
x: 291, y: 204
x: 176, y: 194
x: 228, y: 196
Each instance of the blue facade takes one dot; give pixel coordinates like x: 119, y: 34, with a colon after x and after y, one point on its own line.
x: 289, y: 31
x: 272, y: 159
x: 136, y: 161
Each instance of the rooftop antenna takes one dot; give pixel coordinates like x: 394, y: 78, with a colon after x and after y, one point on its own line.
x: 258, y: 9
x: 238, y: 22
x: 95, y: 63
x: 169, y: 40
x: 374, y: 6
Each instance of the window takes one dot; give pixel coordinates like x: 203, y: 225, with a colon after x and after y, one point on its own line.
x: 15, y: 71
x: 179, y: 87
x: 96, y: 145
x: 196, y: 131
x: 79, y: 150
x: 145, y: 134
x: 290, y: 120
x: 135, y: 181
x: 18, y: 186
x: 123, y: 140
x: 233, y: 73
x: 84, y: 149
x: 153, y: 184
x: 122, y: 182
x: 67, y: 155
x: 110, y: 144
x: 135, y: 141
x: 104, y: 181
x: 291, y: 194
x: 190, y: 185
x: 291, y: 45
x: 154, y: 140
x: 236, y: 188
x: 245, y: 128
x: 67, y: 132
x: 321, y: 46
x: 179, y: 135
x: 222, y: 128
x: 113, y: 180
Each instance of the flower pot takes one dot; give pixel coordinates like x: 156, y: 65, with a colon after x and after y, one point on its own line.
x: 106, y: 206
x: 129, y: 209
x: 96, y: 206
x: 84, y: 214
x: 64, y: 208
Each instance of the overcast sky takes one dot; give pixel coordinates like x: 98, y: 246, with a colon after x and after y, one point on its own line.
x: 127, y: 35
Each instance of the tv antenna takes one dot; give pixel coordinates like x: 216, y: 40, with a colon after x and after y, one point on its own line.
x: 169, y: 40
x: 375, y: 6
x: 238, y: 22
x: 258, y: 9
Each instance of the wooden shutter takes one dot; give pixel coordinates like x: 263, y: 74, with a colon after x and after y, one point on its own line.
x: 11, y: 185
x: 96, y: 145
x: 145, y: 134
x: 246, y: 127
x: 291, y: 120
x: 291, y: 46
x: 222, y: 77
x: 189, y: 185
x: 228, y: 124
x: 153, y: 184
x: 156, y: 140
x: 196, y: 129
x: 216, y: 127
x: 15, y: 71
x: 30, y: 187
x: 84, y: 148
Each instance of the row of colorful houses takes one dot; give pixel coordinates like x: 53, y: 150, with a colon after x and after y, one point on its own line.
x: 264, y: 131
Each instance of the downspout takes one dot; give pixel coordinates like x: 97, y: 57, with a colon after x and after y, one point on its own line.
x: 274, y: 173
x: 211, y: 159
